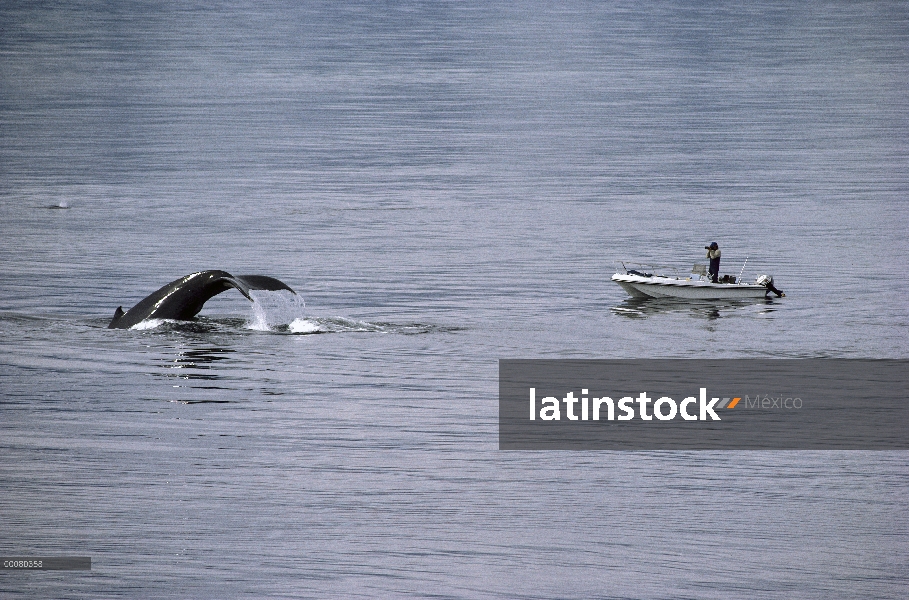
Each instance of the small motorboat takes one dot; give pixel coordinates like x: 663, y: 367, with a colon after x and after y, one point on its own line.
x: 698, y: 286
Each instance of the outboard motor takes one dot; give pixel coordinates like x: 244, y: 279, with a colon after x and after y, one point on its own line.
x: 767, y: 282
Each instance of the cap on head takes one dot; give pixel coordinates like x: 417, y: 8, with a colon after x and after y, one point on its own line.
x: 714, y: 245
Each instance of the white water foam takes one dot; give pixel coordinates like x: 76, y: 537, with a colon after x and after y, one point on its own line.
x: 148, y: 324
x: 345, y: 325
x: 304, y: 326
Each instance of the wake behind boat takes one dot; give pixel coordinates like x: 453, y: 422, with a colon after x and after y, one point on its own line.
x: 697, y: 286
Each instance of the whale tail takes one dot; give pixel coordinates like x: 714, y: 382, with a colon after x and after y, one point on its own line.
x: 183, y: 299
x: 263, y: 282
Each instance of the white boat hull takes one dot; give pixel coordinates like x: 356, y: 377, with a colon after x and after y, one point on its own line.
x: 689, y: 289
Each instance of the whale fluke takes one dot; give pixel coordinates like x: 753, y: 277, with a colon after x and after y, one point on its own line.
x: 183, y: 299
x: 264, y: 282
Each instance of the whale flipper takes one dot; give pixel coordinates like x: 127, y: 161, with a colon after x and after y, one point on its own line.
x: 183, y: 298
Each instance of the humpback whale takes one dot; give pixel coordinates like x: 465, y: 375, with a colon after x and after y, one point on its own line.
x: 183, y: 299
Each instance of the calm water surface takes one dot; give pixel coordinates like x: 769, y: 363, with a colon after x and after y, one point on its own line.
x: 445, y: 185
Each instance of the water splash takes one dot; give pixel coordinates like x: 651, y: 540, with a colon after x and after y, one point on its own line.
x: 271, y: 309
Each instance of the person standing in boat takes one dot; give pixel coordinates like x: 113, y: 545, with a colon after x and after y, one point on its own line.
x: 713, y: 253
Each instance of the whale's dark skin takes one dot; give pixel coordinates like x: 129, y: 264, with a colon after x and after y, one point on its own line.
x: 183, y: 299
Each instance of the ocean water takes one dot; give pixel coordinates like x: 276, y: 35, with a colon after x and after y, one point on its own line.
x: 444, y: 184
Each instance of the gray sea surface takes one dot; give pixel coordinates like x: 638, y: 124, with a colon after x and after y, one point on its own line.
x: 444, y: 184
